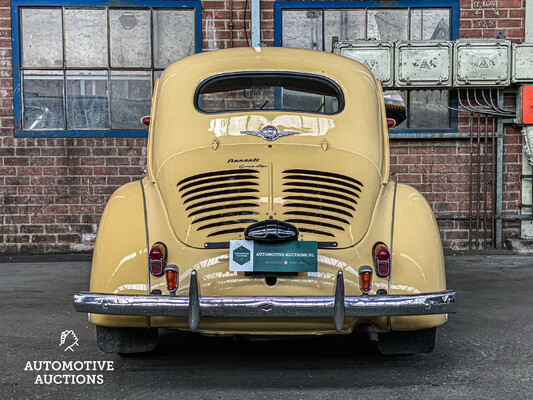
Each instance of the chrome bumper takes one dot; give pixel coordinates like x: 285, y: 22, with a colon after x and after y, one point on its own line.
x: 194, y: 306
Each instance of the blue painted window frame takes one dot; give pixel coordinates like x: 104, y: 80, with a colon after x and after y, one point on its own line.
x: 16, y: 42
x: 279, y: 6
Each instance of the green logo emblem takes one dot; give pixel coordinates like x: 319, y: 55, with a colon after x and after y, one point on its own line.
x: 241, y: 255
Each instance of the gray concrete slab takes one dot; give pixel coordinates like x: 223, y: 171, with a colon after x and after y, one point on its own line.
x: 484, y: 351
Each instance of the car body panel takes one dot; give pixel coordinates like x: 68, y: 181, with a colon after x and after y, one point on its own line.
x: 184, y: 142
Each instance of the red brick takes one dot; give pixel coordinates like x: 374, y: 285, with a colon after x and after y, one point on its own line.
x: 517, y: 33
x: 42, y: 219
x: 31, y: 229
x: 516, y: 13
x: 409, y: 159
x: 26, y: 190
x: 213, y: 5
x: 25, y: 171
x: 495, y: 13
x: 510, y: 23
x: 67, y: 219
x: 17, y: 181
x: 468, y: 14
x: 470, y: 33
x: 484, y: 23
x: 43, y: 239
x: 8, y: 161
x: 509, y: 3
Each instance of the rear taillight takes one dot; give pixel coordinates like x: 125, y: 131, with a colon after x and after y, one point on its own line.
x: 158, y: 259
x: 381, y: 259
x: 365, y: 279
x: 171, y: 276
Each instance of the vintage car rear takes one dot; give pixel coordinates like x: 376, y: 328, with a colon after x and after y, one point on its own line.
x: 267, y: 209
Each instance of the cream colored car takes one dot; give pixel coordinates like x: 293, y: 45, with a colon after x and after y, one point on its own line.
x: 268, y: 209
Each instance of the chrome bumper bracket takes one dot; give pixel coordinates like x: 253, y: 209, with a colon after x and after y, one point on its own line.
x: 338, y: 305
x: 194, y: 303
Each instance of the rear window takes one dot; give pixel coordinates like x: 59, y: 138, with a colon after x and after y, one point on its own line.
x: 269, y: 91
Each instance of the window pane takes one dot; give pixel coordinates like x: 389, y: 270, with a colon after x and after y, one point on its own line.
x: 296, y: 100
x: 42, y: 37
x: 87, y: 104
x: 345, y: 24
x: 260, y: 91
x: 173, y: 36
x: 130, y: 99
x: 302, y: 29
x: 430, y: 24
x: 157, y: 74
x: 427, y: 111
x: 397, y: 96
x: 387, y: 24
x: 42, y: 95
x: 85, y: 38
x: 130, y: 38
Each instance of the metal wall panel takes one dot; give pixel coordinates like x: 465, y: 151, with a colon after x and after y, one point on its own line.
x: 377, y: 56
x: 482, y: 63
x: 424, y: 64
x: 522, y: 62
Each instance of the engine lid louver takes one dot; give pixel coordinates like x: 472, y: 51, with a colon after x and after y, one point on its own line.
x: 217, y: 206
x: 220, y: 203
x: 320, y: 203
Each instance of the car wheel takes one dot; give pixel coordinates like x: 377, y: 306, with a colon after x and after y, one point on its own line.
x: 407, y: 342
x: 126, y: 340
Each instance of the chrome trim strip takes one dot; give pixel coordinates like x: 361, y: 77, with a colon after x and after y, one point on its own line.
x: 258, y: 307
x: 148, y: 280
x: 148, y: 283
x: 391, y: 244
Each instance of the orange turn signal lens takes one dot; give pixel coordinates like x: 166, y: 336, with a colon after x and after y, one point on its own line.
x: 365, y: 279
x: 171, y: 275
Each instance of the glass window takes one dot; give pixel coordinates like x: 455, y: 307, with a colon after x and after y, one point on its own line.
x: 92, y: 68
x: 267, y: 91
x: 430, y: 24
x: 317, y: 28
x: 85, y: 38
x: 129, y: 41
x: 44, y: 103
x: 39, y: 50
x: 344, y: 24
x: 130, y: 97
x: 383, y: 24
x: 87, y: 106
x: 303, y: 29
x: 171, y: 44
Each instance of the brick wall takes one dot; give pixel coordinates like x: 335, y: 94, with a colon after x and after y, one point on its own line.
x: 484, y: 18
x: 53, y: 190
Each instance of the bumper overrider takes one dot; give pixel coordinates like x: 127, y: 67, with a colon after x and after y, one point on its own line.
x: 195, y: 306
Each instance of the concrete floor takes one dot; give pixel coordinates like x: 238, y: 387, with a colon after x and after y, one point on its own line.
x: 485, y: 351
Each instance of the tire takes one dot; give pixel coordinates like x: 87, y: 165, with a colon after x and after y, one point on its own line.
x: 126, y: 340
x: 407, y: 342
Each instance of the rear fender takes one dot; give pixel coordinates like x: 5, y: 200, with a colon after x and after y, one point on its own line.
x: 120, y: 260
x: 417, y: 256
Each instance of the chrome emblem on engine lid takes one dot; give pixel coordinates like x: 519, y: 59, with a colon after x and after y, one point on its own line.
x: 270, y: 132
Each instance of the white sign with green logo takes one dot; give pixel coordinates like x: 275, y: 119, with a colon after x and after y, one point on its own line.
x: 291, y: 256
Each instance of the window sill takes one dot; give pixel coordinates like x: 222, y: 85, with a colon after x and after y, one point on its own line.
x: 80, y: 134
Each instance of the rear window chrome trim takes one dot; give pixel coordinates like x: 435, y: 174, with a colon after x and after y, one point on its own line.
x: 230, y: 75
